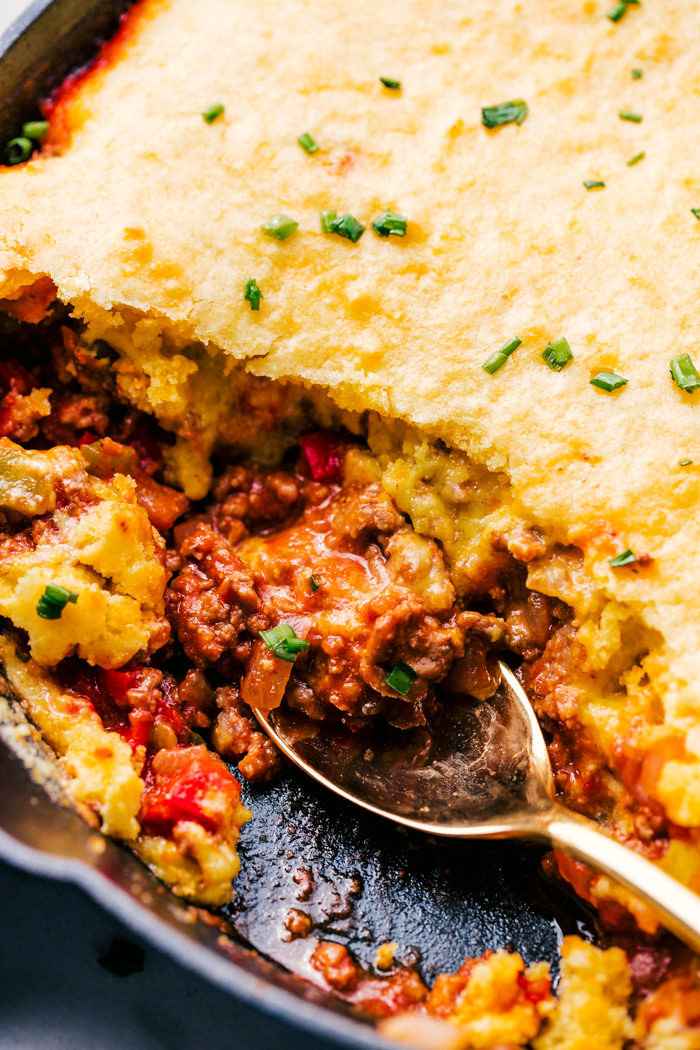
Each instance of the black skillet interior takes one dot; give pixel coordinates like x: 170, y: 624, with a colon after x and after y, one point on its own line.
x: 369, y: 881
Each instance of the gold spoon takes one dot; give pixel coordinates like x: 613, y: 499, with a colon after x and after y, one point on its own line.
x: 482, y: 772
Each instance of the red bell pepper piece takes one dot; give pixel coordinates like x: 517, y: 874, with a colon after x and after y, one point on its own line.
x: 324, y: 453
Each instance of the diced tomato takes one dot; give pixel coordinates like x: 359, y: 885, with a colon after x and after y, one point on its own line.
x: 536, y: 989
x: 188, y: 783
x: 324, y: 454
x: 88, y: 438
x: 118, y: 683
x: 107, y: 691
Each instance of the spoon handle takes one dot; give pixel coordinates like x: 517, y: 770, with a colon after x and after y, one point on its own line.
x: 678, y: 908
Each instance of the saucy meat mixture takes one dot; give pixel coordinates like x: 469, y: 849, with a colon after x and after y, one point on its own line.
x: 140, y: 627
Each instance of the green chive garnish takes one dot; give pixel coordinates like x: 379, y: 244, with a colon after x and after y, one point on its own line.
x: 505, y: 113
x: 277, y: 634
x: 290, y: 648
x: 328, y: 217
x: 346, y: 226
x: 280, y: 226
x: 685, y: 374
x: 308, y: 143
x: 696, y: 213
x: 637, y: 74
x: 685, y: 462
x: 557, y: 354
x: 18, y: 150
x: 401, y: 677
x: 211, y: 114
x: 389, y: 222
x: 626, y: 558
x: 284, y: 643
x: 592, y: 184
x: 393, y: 85
x: 314, y: 582
x: 252, y: 293
x: 35, y: 129
x: 617, y: 11
x: 54, y: 600
x: 628, y: 114
x: 499, y: 357
x: 608, y: 381
x: 636, y: 159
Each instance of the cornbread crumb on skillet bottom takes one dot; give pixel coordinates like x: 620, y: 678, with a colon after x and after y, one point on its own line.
x: 147, y: 219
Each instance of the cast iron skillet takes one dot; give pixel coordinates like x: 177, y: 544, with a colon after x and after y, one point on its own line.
x: 370, y: 882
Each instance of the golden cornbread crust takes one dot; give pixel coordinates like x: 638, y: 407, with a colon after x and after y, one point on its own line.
x: 152, y: 208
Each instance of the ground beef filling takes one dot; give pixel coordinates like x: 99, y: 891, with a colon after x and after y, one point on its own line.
x: 337, y: 562
x: 348, y: 572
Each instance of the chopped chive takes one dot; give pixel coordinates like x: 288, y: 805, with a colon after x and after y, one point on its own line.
x: 594, y: 184
x: 35, y: 129
x: 499, y: 357
x: 685, y: 374
x: 18, y: 150
x: 637, y: 74
x: 608, y: 381
x: 347, y: 226
x: 617, y: 11
x: 279, y: 226
x: 505, y: 113
x: 629, y: 114
x: 393, y: 85
x: 252, y: 293
x: 636, y: 159
x: 308, y: 143
x: 277, y: 634
x: 328, y: 217
x: 290, y: 648
x: 314, y: 582
x: 696, y: 213
x: 401, y: 677
x: 211, y: 114
x: 389, y: 222
x: 626, y: 558
x: 284, y: 642
x: 685, y: 462
x: 493, y: 362
x: 54, y: 600
x: 557, y: 354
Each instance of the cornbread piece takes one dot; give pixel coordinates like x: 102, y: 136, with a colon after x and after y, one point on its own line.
x: 594, y: 994
x: 90, y: 537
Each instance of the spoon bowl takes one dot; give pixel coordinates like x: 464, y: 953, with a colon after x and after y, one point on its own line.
x: 480, y: 771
